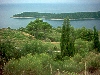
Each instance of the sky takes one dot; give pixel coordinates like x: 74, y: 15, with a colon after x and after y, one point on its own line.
x: 49, y: 1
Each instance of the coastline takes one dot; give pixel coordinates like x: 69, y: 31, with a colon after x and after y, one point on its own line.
x: 77, y: 19
x: 59, y: 16
x: 57, y: 19
x: 22, y: 17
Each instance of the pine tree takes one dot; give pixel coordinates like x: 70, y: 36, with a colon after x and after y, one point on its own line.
x: 96, y: 40
x: 67, y: 44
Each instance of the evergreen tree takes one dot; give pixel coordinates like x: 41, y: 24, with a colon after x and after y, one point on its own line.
x: 38, y: 28
x: 96, y: 40
x: 67, y: 44
x: 63, y: 38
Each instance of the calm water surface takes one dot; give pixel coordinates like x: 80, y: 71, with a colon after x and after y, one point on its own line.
x: 8, y: 10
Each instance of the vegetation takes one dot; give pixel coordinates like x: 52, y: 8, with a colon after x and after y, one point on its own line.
x: 96, y: 40
x: 85, y: 34
x: 77, y: 15
x: 67, y: 43
x: 42, y: 31
x: 23, y: 52
x: 38, y: 28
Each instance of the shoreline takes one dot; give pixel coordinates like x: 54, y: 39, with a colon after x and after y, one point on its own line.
x: 75, y: 19
x: 57, y: 19
x: 22, y: 17
x: 78, y: 19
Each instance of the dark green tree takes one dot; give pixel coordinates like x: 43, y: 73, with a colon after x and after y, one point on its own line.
x: 67, y: 43
x: 63, y: 39
x: 38, y: 28
x: 96, y: 40
x: 85, y: 34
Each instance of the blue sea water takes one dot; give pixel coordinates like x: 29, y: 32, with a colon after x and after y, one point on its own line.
x: 8, y: 10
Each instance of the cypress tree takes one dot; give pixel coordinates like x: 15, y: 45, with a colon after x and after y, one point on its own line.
x: 63, y: 39
x: 67, y: 44
x: 96, y: 40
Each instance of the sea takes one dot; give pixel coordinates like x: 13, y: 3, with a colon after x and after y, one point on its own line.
x: 8, y: 10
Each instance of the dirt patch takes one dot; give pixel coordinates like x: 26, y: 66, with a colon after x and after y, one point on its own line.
x: 26, y: 34
x: 55, y: 42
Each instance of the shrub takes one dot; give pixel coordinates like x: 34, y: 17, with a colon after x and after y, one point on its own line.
x: 73, y: 66
x: 77, y: 58
x: 96, y: 40
x: 37, y: 65
x: 85, y: 34
x: 92, y: 61
x: 69, y: 65
x: 7, y: 49
x: 41, y: 64
x: 34, y: 47
x: 83, y: 47
x: 19, y: 35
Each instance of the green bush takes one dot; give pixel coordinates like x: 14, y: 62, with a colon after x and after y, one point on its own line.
x: 85, y: 34
x: 34, y: 47
x: 7, y: 49
x: 73, y: 66
x: 37, y: 65
x: 19, y: 35
x: 54, y: 36
x: 41, y: 64
x: 12, y: 34
x: 77, y: 58
x: 83, y: 47
x: 94, y: 61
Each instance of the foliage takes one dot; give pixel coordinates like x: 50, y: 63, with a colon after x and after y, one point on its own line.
x: 17, y: 43
x: 85, y: 34
x: 38, y: 28
x: 83, y: 47
x: 54, y: 36
x: 8, y: 50
x: 26, y: 55
x: 35, y: 65
x: 67, y: 43
x: 41, y: 64
x: 21, y: 29
x: 96, y: 40
x: 34, y: 47
x: 93, y: 63
x: 12, y: 34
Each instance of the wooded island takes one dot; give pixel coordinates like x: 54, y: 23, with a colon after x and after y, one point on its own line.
x: 59, y: 16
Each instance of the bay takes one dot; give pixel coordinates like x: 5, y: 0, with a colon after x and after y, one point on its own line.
x: 8, y: 10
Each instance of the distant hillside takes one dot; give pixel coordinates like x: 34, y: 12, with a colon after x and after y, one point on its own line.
x: 59, y: 16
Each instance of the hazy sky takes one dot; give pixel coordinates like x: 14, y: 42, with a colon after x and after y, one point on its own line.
x: 49, y: 1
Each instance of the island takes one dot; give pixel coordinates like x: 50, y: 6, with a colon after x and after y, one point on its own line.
x: 59, y: 16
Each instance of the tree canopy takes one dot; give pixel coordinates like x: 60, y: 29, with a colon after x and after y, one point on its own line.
x: 38, y: 28
x: 96, y: 40
x: 67, y: 43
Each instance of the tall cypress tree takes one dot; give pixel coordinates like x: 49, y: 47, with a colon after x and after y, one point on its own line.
x: 63, y: 39
x: 96, y: 40
x: 67, y: 44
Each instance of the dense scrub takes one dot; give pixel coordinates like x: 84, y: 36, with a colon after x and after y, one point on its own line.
x: 44, y: 31
x: 14, y: 44
x: 25, y: 54
x: 43, y: 64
